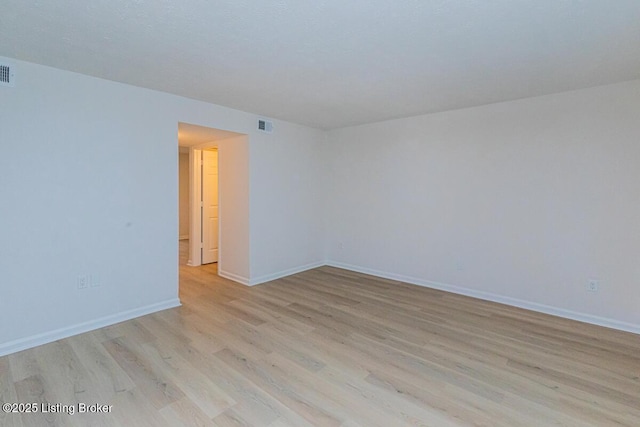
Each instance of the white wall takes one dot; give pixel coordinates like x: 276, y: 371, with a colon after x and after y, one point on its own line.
x: 286, y: 190
x: 88, y: 187
x: 183, y: 195
x: 521, y: 201
x: 233, y: 188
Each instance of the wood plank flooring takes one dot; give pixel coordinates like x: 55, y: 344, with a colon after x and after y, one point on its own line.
x: 330, y: 347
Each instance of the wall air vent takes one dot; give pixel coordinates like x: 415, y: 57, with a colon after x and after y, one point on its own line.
x: 7, y: 74
x: 265, y: 126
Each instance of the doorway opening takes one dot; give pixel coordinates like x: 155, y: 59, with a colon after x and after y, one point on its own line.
x: 216, y: 218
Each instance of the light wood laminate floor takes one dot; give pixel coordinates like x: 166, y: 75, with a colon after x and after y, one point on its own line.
x: 330, y: 347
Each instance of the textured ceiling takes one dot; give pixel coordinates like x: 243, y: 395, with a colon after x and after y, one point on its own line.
x: 334, y: 63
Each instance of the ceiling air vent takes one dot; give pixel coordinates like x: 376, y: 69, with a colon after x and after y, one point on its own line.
x: 265, y: 126
x: 7, y: 74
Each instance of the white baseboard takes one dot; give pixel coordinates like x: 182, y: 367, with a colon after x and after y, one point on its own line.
x: 47, y: 337
x: 284, y: 273
x: 542, y: 308
x: 231, y: 276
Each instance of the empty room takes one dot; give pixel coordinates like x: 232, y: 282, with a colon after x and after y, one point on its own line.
x: 329, y: 213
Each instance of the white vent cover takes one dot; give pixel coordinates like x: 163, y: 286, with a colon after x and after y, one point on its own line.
x: 7, y: 74
x: 265, y: 126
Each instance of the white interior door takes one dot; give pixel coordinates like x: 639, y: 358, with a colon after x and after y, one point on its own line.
x: 209, y: 206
